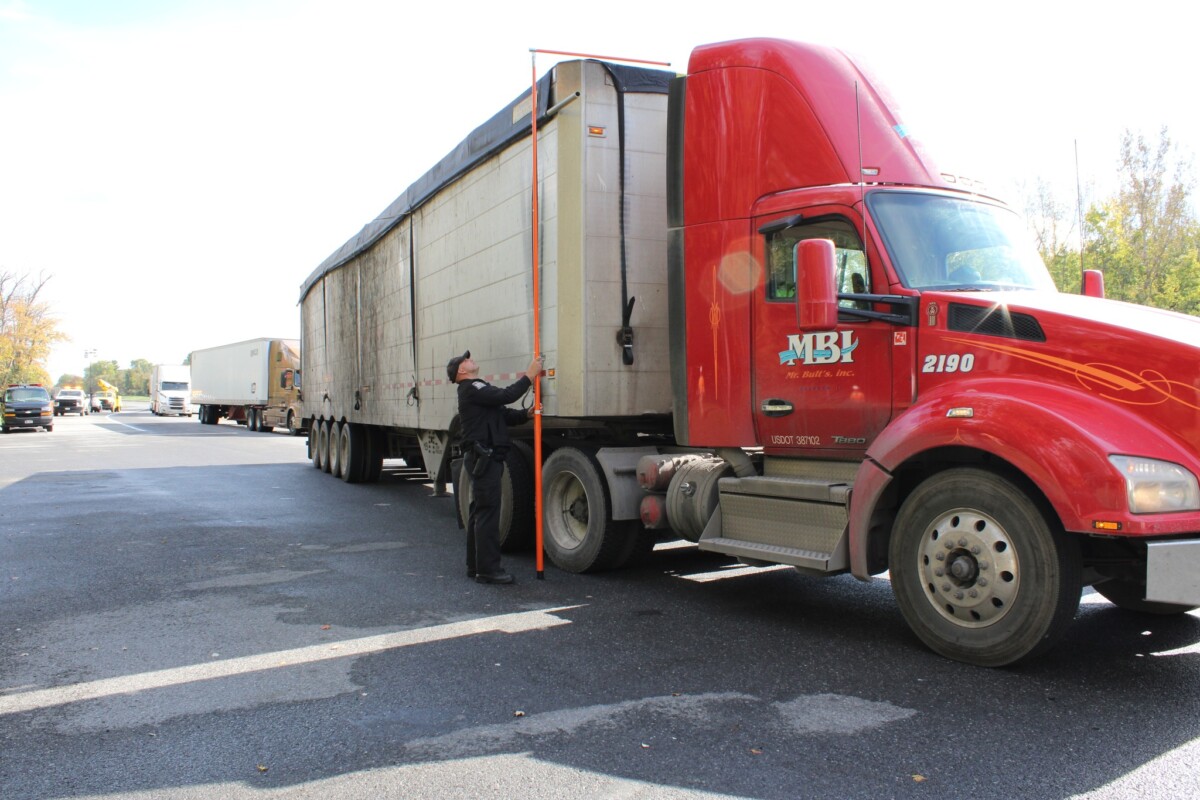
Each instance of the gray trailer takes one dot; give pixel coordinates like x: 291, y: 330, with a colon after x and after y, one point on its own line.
x: 447, y: 267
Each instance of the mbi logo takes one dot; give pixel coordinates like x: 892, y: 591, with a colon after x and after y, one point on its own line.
x: 824, y: 347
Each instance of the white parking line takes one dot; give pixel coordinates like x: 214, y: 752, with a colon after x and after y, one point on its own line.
x: 505, y: 623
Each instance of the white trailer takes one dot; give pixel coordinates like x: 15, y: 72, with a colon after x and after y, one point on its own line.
x: 171, y: 389
x: 447, y: 267
x: 255, y: 383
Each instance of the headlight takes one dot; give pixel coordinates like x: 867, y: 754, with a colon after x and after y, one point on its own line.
x: 1154, y: 487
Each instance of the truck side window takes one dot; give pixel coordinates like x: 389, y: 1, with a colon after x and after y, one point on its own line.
x: 852, y: 275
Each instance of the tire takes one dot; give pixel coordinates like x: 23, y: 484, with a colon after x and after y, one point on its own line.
x: 374, y: 445
x: 251, y: 420
x: 516, y: 502
x: 291, y: 424
x: 580, y: 534
x: 639, y: 544
x: 352, y: 447
x: 1130, y: 596
x: 323, y: 444
x: 335, y: 449
x: 314, y: 453
x: 979, y: 572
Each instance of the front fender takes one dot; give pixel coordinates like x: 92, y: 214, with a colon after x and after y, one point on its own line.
x: 1060, y: 439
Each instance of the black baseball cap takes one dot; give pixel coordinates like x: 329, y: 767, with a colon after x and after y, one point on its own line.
x: 452, y: 367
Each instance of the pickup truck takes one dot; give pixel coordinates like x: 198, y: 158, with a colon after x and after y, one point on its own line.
x: 70, y: 401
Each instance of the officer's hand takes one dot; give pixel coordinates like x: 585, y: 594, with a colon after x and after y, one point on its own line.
x: 535, y: 367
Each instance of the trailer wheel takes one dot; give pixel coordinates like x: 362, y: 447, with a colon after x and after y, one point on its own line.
x: 516, y: 502
x: 251, y: 419
x: 323, y: 444
x: 580, y: 534
x: 314, y: 452
x: 979, y: 573
x: 374, y: 446
x: 335, y: 449
x: 352, y: 455
x: 1132, y: 597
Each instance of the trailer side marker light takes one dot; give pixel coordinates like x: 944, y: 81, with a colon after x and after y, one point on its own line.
x: 595, y: 130
x: 1102, y: 525
x: 960, y: 413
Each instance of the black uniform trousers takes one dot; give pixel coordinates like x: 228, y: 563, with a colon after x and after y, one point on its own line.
x: 483, y: 518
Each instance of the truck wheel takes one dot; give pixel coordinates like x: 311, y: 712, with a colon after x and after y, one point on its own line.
x: 516, y: 502
x: 1131, y: 597
x: 323, y: 444
x: 979, y: 573
x: 352, y: 455
x: 335, y: 456
x: 314, y: 452
x: 293, y: 430
x: 580, y: 534
x: 374, y: 445
x: 639, y: 544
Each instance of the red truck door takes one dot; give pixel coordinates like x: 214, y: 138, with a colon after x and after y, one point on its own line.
x: 827, y: 390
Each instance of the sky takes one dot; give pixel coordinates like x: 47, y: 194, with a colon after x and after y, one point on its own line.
x: 177, y: 168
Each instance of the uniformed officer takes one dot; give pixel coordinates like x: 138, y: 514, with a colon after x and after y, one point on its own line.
x: 485, y: 421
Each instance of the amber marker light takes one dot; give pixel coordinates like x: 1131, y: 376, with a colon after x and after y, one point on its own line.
x: 1103, y: 525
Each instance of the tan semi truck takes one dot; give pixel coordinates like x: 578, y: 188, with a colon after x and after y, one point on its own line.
x: 255, y: 383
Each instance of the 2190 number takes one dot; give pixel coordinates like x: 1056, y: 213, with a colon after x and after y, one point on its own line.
x: 950, y: 363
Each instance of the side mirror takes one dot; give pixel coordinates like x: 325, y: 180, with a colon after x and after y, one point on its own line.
x: 816, y: 300
x: 1093, y: 283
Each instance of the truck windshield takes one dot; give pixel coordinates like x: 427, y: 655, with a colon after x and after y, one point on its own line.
x: 956, y: 244
x: 174, y: 386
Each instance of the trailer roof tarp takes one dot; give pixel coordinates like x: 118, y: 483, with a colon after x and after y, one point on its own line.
x: 484, y: 142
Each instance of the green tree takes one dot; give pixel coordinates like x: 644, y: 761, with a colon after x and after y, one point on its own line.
x: 68, y: 379
x: 1145, y: 238
x: 136, y: 380
x: 27, y: 330
x: 101, y: 369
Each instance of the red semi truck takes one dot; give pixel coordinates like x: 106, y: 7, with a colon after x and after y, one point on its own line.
x: 841, y: 358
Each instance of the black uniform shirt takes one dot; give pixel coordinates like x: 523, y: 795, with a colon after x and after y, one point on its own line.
x: 481, y: 409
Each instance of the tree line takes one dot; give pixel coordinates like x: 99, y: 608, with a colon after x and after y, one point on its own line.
x: 135, y: 379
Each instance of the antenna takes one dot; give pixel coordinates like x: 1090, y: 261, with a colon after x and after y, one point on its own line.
x: 862, y: 191
x: 1079, y: 211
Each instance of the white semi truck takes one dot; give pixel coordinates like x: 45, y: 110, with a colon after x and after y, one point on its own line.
x: 255, y: 383
x: 171, y: 390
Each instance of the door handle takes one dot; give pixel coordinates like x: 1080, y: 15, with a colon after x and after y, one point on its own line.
x: 777, y: 408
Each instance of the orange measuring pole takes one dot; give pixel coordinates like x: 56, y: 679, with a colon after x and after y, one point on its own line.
x: 537, y: 339
x: 537, y: 305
